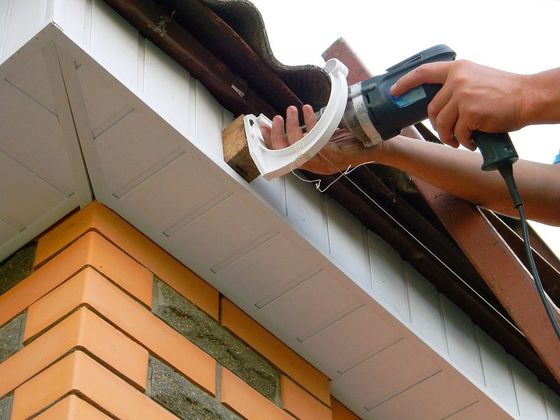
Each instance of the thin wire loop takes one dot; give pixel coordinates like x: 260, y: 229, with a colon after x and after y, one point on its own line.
x: 318, y: 181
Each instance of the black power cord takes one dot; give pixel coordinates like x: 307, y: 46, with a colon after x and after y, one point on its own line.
x: 506, y: 171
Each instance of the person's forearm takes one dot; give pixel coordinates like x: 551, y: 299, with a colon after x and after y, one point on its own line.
x: 455, y: 171
x: 458, y: 172
x: 541, y: 98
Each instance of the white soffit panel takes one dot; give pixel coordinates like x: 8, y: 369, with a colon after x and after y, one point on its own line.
x: 239, y: 275
x: 42, y: 172
x: 398, y: 364
x: 310, y: 306
x: 352, y: 340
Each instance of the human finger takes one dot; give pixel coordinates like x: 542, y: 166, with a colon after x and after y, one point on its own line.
x: 309, y: 117
x: 293, y: 129
x: 265, y: 131
x: 463, y: 134
x: 426, y: 73
x: 277, y: 133
x: 445, y: 123
x: 439, y: 101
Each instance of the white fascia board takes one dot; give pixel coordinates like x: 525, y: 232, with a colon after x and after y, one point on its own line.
x: 295, y: 261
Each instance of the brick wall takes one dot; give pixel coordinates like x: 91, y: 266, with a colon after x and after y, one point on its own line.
x: 97, y: 321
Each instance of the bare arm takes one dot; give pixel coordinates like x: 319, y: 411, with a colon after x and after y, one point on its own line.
x: 455, y: 171
x: 458, y: 172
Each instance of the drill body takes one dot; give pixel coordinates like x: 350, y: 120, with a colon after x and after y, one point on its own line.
x: 372, y: 114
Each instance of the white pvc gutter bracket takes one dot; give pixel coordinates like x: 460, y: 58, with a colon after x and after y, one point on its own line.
x: 274, y: 163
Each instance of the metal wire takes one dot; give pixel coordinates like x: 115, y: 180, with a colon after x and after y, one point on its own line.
x: 418, y: 241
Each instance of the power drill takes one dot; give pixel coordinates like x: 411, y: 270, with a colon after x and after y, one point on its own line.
x: 372, y: 114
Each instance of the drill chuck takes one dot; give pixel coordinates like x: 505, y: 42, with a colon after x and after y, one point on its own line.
x: 356, y: 117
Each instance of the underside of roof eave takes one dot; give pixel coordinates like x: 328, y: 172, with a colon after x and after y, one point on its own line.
x: 232, y: 56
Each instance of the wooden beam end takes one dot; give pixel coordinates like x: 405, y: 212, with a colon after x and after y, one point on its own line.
x: 236, y: 150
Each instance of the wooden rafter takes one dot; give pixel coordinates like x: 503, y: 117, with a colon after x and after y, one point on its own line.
x: 159, y: 26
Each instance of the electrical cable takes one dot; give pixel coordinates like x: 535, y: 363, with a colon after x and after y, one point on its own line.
x: 506, y: 171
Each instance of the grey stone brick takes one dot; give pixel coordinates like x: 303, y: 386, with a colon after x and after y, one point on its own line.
x: 16, y: 267
x: 223, y: 346
x: 6, y: 408
x: 11, y: 336
x: 178, y: 395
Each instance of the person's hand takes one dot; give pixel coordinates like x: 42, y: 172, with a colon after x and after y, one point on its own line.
x: 473, y: 97
x: 340, y: 152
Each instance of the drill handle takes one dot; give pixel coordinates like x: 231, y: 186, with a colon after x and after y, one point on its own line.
x: 496, y: 149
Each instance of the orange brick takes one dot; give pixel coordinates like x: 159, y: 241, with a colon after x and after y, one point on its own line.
x: 90, y: 250
x: 98, y: 217
x: 72, y: 408
x: 90, y: 288
x: 275, y: 350
x: 79, y: 373
x: 300, y: 403
x: 340, y: 412
x: 242, y: 398
x: 81, y: 329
